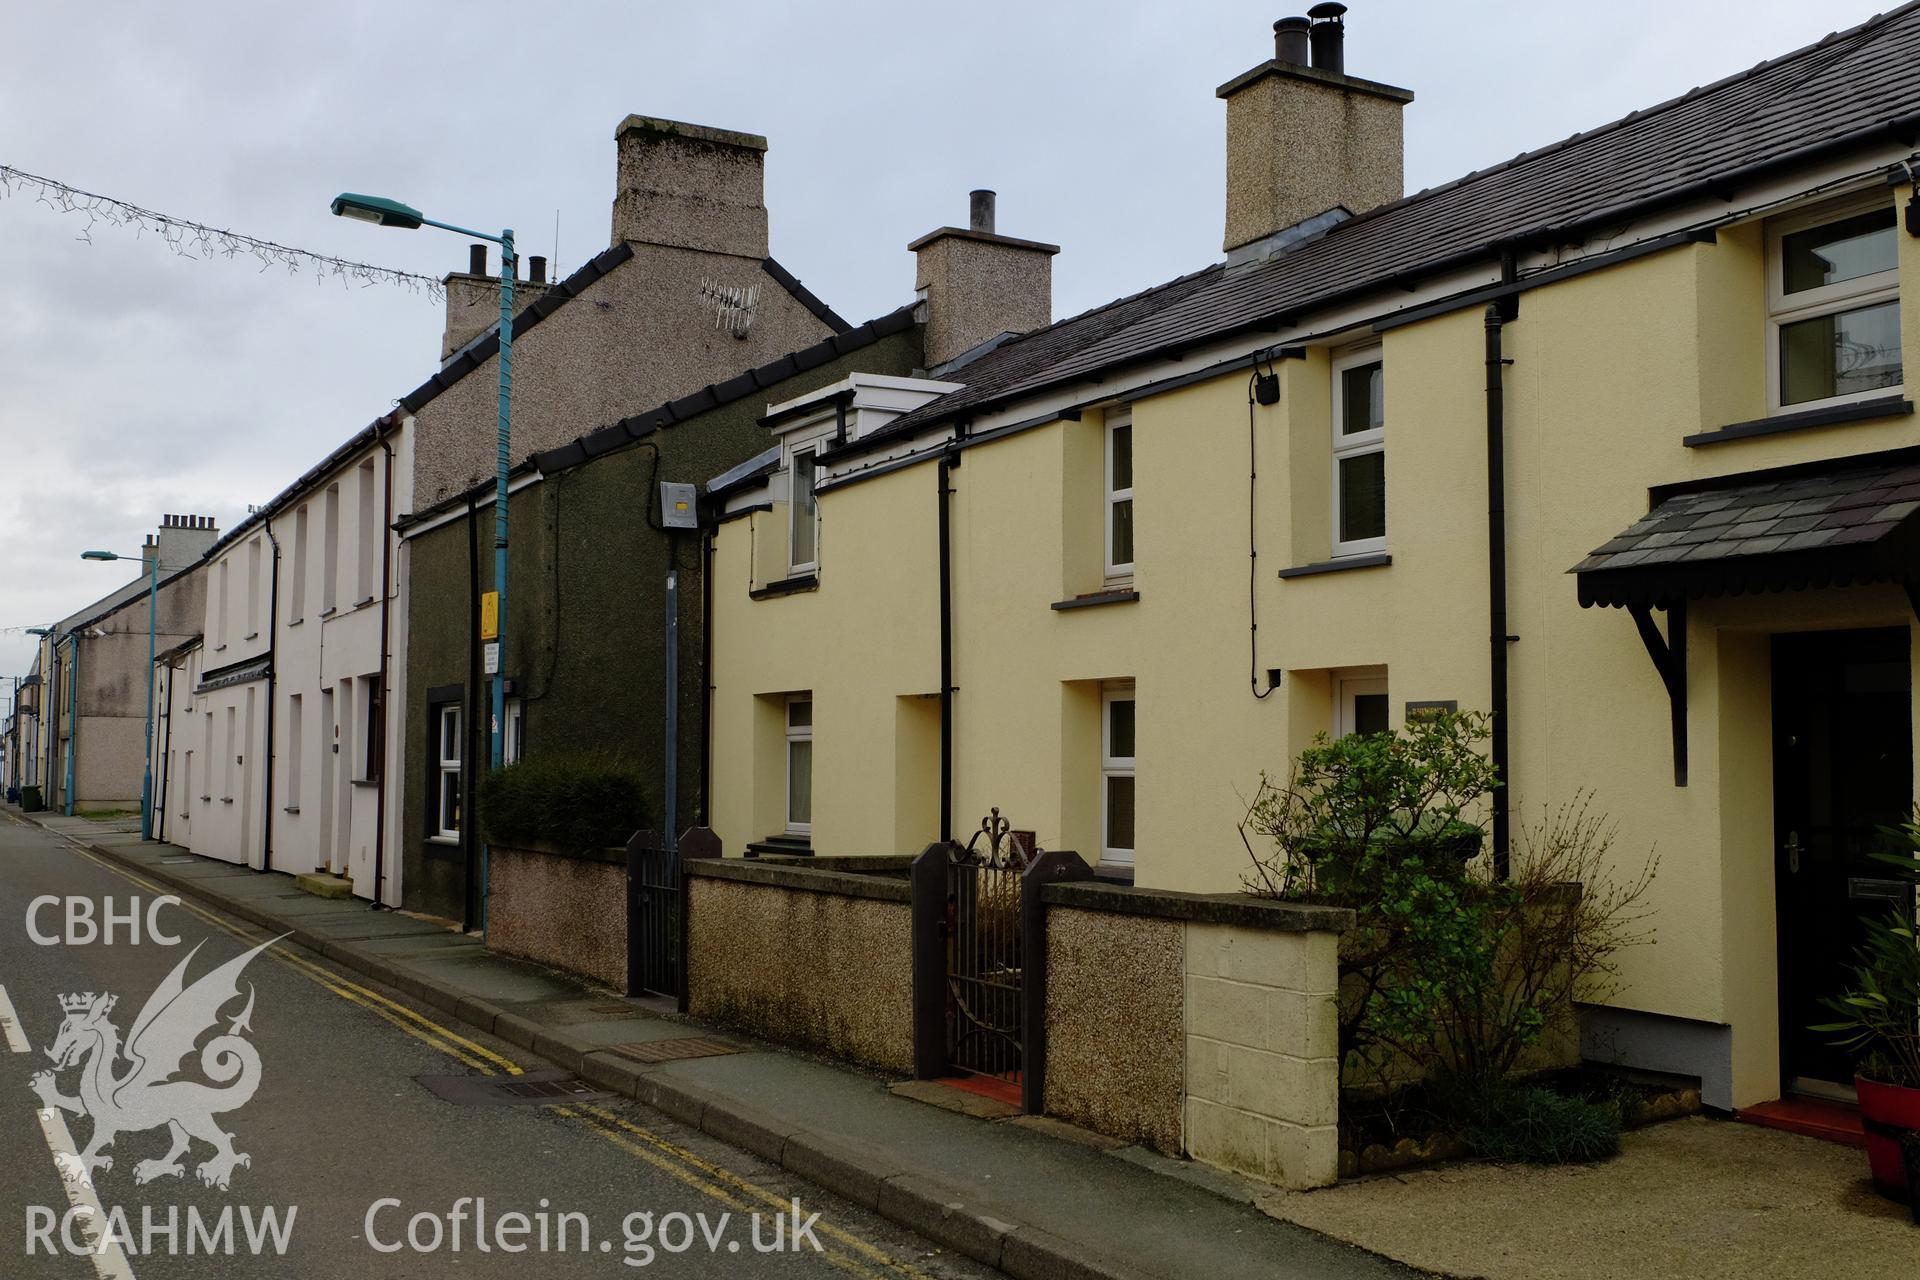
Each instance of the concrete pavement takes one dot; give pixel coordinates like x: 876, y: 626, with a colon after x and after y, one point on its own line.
x: 1008, y: 1194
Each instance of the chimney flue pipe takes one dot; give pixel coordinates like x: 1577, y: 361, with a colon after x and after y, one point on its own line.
x: 476, y: 260
x: 537, y: 269
x: 1328, y: 36
x: 1290, y: 41
x: 980, y: 210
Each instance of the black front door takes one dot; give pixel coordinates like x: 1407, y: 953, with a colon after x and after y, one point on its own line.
x: 1843, y: 770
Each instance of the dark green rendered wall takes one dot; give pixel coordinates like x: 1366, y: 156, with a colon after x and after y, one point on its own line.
x: 586, y: 612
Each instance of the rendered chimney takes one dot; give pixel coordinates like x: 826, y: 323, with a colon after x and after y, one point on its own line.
x: 1305, y: 141
x: 473, y: 299
x: 688, y: 186
x: 979, y: 284
x: 182, y: 540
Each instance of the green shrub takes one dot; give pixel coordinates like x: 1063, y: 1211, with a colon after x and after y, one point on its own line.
x: 572, y: 802
x: 1514, y: 1121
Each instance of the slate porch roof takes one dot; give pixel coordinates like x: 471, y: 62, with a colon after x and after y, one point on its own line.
x: 1849, y: 521
x: 1853, y: 89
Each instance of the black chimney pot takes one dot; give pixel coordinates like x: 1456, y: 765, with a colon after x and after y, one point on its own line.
x: 1328, y: 37
x: 476, y: 260
x: 980, y: 210
x: 537, y: 269
x: 1290, y: 41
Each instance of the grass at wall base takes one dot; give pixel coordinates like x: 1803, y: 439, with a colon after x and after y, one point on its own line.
x: 1452, y: 982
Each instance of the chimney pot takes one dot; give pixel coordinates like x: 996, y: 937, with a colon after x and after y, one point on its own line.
x: 1328, y: 36
x: 1290, y: 41
x: 980, y: 210
x: 476, y: 260
x: 537, y: 269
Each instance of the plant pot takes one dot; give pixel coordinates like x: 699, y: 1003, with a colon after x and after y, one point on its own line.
x: 1885, y: 1106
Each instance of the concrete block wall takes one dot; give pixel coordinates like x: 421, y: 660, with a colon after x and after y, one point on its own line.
x: 1262, y: 1052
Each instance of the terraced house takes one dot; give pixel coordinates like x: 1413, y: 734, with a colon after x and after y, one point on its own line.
x: 1610, y: 440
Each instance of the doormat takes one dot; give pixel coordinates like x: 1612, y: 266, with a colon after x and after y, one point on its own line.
x: 673, y: 1050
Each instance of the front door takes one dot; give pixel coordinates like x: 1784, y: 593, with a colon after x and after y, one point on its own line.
x: 1843, y: 770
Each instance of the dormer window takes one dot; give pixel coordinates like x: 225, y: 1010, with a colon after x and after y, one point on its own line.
x: 803, y: 541
x: 1833, y: 293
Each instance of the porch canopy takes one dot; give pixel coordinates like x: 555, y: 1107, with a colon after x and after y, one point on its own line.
x: 1845, y: 522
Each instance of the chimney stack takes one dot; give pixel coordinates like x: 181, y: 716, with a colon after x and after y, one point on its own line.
x: 979, y: 284
x: 473, y: 299
x: 182, y: 540
x: 1307, y: 144
x: 687, y: 186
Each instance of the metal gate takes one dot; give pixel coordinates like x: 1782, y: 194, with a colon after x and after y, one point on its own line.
x: 656, y: 909
x: 985, y: 964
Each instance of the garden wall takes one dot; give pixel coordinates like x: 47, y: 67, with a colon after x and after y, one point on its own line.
x: 817, y: 959
x: 567, y: 911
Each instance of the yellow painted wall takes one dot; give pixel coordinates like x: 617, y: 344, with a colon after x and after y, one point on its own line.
x: 1611, y: 370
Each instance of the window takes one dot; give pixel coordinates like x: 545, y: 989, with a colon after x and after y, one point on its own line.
x: 1833, y: 292
x: 296, y: 744
x: 373, y: 737
x: 253, y: 588
x: 330, y: 551
x: 1119, y: 505
x: 369, y: 535
x: 1116, y: 773
x: 516, y: 732
x: 1359, y: 453
x: 803, y: 546
x: 447, y: 753
x: 800, y: 764
x: 1360, y: 704
x: 298, y: 596
x: 220, y: 607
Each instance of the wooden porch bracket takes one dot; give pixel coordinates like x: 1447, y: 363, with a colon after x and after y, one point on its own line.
x: 1669, y: 654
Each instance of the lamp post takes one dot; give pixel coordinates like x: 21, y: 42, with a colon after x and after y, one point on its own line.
x: 153, y: 617
x: 391, y: 213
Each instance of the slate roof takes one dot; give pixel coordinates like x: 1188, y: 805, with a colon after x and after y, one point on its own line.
x: 1852, y: 89
x: 1834, y: 523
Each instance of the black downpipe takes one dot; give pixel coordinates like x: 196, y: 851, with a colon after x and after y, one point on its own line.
x: 947, y: 463
x: 386, y: 697
x: 1498, y: 637
x: 468, y: 719
x: 273, y: 683
x: 166, y: 755
x: 706, y: 675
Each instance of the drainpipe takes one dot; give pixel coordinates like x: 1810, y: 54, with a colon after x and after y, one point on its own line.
x: 73, y: 717
x: 166, y: 757
x: 948, y: 461
x: 386, y: 697
x: 273, y: 684
x: 1497, y: 634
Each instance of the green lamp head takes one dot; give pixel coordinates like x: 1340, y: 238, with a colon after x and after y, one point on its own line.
x: 377, y: 210
x: 99, y: 555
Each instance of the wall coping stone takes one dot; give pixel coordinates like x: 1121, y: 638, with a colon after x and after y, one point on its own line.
x: 616, y: 857
x: 1239, y: 909
x: 857, y: 864
x: 805, y: 879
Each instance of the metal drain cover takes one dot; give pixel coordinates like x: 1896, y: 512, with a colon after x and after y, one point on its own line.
x: 535, y: 1088
x: 673, y: 1050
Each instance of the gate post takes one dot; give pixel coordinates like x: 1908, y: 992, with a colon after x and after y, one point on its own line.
x: 1051, y: 867
x: 638, y: 845
x: 695, y: 842
x: 928, y: 910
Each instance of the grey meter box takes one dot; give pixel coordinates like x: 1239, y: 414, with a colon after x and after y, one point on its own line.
x: 677, y: 506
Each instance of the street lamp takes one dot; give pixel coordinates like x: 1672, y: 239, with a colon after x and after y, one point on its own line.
x: 391, y: 213
x: 153, y: 615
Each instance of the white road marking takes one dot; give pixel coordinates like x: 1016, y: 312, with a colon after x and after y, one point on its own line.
x: 109, y: 1261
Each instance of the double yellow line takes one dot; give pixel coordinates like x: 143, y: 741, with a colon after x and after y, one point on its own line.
x: 853, y: 1254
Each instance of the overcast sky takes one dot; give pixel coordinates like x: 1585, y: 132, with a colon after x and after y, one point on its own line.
x: 134, y: 382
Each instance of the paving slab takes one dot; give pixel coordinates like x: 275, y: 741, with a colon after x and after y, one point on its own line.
x: 1692, y: 1199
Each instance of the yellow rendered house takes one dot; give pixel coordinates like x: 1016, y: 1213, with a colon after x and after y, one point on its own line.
x: 1611, y: 440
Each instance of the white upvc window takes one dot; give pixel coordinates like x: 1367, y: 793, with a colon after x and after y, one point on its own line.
x: 1359, y: 453
x: 1116, y: 773
x: 800, y: 764
x: 1360, y: 703
x: 447, y: 796
x: 515, y: 745
x: 1118, y: 508
x: 803, y: 513
x: 1833, y: 305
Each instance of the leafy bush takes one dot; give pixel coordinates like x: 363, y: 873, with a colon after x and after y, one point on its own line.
x: 1875, y: 1018
x: 572, y: 802
x: 1515, y: 1121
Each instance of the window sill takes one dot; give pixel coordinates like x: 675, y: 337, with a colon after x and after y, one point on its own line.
x: 363, y: 602
x: 1093, y: 599
x: 365, y: 782
x: 296, y: 622
x: 219, y: 648
x: 226, y: 799
x: 787, y: 586
x: 1372, y: 560
x: 249, y: 639
x: 292, y: 808
x: 1114, y: 872
x: 452, y: 840
x: 1833, y: 415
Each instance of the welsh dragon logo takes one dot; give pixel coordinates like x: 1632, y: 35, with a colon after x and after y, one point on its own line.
x: 145, y: 1093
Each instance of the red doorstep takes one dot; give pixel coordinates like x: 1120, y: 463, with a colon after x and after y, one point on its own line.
x: 1810, y: 1117
x: 994, y: 1087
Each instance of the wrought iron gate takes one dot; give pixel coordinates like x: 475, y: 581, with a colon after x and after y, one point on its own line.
x: 985, y: 964
x: 656, y: 909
